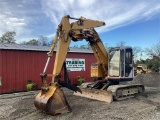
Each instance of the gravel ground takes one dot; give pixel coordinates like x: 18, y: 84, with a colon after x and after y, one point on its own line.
x: 143, y: 107
x: 149, y: 80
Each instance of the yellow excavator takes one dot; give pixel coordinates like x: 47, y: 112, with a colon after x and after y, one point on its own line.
x: 112, y: 68
x: 142, y: 69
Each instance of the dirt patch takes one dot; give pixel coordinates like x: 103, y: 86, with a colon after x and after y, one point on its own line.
x: 138, y: 108
x: 142, y: 107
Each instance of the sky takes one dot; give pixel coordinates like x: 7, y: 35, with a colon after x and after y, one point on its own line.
x: 136, y: 22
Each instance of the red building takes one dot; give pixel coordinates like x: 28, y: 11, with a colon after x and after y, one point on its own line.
x: 18, y: 63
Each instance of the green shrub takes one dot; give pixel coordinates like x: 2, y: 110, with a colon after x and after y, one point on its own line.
x: 80, y: 80
x: 30, y: 85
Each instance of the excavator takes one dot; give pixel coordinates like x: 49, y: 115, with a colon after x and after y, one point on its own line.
x: 142, y: 69
x: 113, y: 67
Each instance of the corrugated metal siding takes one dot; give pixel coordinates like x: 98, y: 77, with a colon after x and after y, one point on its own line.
x: 16, y: 67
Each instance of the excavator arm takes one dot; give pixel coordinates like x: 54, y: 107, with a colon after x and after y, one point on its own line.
x: 51, y: 98
x: 76, y: 31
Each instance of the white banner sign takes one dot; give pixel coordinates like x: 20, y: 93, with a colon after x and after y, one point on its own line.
x: 75, y: 64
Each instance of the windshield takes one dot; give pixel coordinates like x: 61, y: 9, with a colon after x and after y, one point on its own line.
x: 114, y: 61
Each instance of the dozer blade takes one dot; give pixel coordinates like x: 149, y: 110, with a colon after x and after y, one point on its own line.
x: 52, y: 101
x: 100, y: 95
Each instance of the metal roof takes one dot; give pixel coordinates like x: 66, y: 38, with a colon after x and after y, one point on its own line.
x: 12, y: 46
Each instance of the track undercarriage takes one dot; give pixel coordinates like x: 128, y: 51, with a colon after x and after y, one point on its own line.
x: 108, y: 92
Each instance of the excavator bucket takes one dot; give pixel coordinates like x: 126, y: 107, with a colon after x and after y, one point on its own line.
x: 100, y: 95
x: 52, y: 101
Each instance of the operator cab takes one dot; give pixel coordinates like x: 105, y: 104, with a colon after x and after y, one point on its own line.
x: 120, y: 66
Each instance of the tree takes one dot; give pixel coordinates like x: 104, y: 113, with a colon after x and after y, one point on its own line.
x: 152, y: 64
x: 31, y: 42
x: 137, y: 51
x: 87, y: 46
x: 8, y: 37
x: 43, y: 41
x: 154, y: 54
x: 121, y: 44
x: 154, y: 51
x: 75, y: 46
x: 153, y: 60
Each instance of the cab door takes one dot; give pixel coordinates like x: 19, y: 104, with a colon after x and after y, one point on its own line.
x: 128, y: 63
